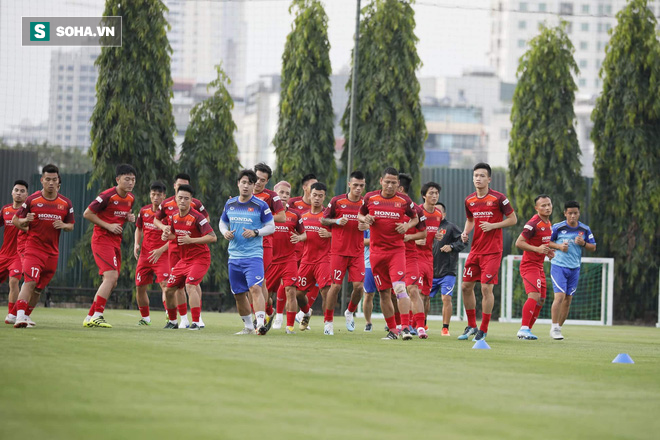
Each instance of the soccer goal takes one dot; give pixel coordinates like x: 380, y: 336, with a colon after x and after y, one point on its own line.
x: 592, y: 302
x: 435, y: 313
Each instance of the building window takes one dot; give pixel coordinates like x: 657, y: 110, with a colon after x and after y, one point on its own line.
x: 597, y: 82
x: 583, y: 64
x: 67, y: 118
x: 59, y: 126
x: 59, y: 137
x: 582, y: 82
x: 67, y: 137
x: 569, y: 27
x: 521, y: 43
x: 69, y: 68
x: 69, y: 108
x: 599, y: 63
x: 61, y: 68
x: 522, y: 7
x: 522, y: 25
x: 608, y: 26
x: 584, y: 45
x: 565, y: 8
x: 584, y: 27
x: 67, y: 128
x: 542, y: 7
x: 608, y: 9
x: 600, y: 28
x: 585, y: 9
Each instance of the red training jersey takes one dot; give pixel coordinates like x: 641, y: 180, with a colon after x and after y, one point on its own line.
x: 316, y: 247
x: 193, y: 224
x: 111, y: 208
x: 42, y: 236
x: 490, y: 208
x: 298, y: 205
x: 22, y: 239
x: 151, y: 234
x: 537, y: 233
x: 283, y: 249
x: 432, y: 220
x: 347, y: 240
x: 411, y: 246
x: 387, y: 212
x: 275, y: 204
x: 169, y: 207
x: 10, y: 236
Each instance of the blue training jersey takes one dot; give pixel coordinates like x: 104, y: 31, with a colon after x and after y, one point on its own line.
x: 367, y: 263
x: 253, y: 214
x: 563, y: 233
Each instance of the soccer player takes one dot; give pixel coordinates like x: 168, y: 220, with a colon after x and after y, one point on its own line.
x: 572, y: 236
x: 369, y: 285
x: 10, y: 261
x: 109, y: 212
x: 167, y: 209
x: 283, y: 271
x: 534, y: 240
x: 418, y: 232
x: 315, y: 263
x: 149, y: 250
x: 485, y: 210
x: 445, y: 267
x: 347, y: 250
x: 383, y: 212
x: 432, y: 217
x: 45, y: 213
x: 264, y: 173
x: 244, y: 221
x: 192, y: 232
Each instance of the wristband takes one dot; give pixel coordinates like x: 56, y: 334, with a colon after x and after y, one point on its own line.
x: 337, y: 221
x: 256, y: 232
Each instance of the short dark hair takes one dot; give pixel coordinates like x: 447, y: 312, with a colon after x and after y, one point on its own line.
x: 541, y: 196
x: 320, y: 186
x: 405, y: 180
x: 251, y: 175
x: 571, y: 204
x: 307, y: 177
x: 21, y: 182
x: 186, y: 188
x: 158, y: 186
x: 357, y: 174
x: 391, y: 171
x: 261, y: 166
x: 50, y: 168
x: 124, y: 169
x: 444, y: 208
x: 482, y: 166
x: 429, y: 185
x: 182, y: 176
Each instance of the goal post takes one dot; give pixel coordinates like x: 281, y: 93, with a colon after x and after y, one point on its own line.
x: 592, y: 303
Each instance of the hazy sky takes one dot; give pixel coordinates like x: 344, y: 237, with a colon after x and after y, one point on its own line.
x: 451, y: 39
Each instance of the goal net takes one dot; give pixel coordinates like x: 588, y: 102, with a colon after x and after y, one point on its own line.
x: 592, y: 302
x: 435, y: 314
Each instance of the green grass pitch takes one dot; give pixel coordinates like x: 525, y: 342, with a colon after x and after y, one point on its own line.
x: 62, y: 381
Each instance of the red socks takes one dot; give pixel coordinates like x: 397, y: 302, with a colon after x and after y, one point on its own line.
x: 281, y: 300
x: 290, y: 318
x: 485, y: 320
x: 21, y: 305
x: 269, y: 309
x: 397, y: 318
x: 528, y: 312
x: 405, y: 320
x: 328, y: 315
x: 100, y: 304
x: 472, y: 317
x: 91, y: 309
x: 144, y: 311
x: 311, y: 295
x: 183, y: 309
x: 196, y: 312
x: 10, y: 306
x: 171, y: 314
x: 391, y: 323
x: 418, y: 320
x: 537, y: 311
x: 305, y: 309
x: 352, y: 307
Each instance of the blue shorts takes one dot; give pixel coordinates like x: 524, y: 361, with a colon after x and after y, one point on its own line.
x: 245, y: 273
x: 445, y: 285
x: 369, y: 282
x: 564, y: 280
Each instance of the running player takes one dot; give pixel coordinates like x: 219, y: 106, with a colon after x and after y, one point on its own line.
x: 167, y: 209
x: 109, y: 212
x: 10, y: 261
x: 283, y: 271
x: 535, y: 243
x: 347, y: 251
x: 572, y: 236
x: 46, y: 213
x: 445, y: 267
x: 264, y: 173
x: 383, y: 211
x: 432, y: 218
x: 418, y: 232
x: 149, y: 250
x: 485, y: 210
x: 369, y: 284
x: 192, y: 233
x: 245, y: 220
x: 315, y: 263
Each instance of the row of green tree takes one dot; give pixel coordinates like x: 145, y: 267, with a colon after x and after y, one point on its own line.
x: 544, y: 155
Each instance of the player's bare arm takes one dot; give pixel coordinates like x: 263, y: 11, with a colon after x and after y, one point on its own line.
x: 138, y: 242
x: 521, y: 243
x: 366, y: 219
x: 418, y: 237
x: 402, y: 228
x: 341, y: 221
x: 509, y: 221
x: 167, y: 234
x: 155, y: 254
x: 130, y: 217
x: 280, y: 217
x: 160, y: 225
x: 59, y: 224
x: 298, y: 238
x: 114, y: 228
x: 324, y: 233
x: 581, y: 242
x: 207, y: 239
x: 469, y: 226
x: 22, y: 223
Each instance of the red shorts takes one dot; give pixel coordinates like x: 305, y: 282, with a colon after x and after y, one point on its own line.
x: 144, y: 272
x: 10, y: 267
x: 412, y: 271
x: 534, y: 280
x: 285, y: 273
x: 39, y: 267
x: 188, y: 272
x: 310, y: 275
x: 268, y: 259
x: 425, y: 275
x: 388, y: 269
x: 482, y: 267
x: 106, y: 257
x: 355, y: 266
x: 173, y: 255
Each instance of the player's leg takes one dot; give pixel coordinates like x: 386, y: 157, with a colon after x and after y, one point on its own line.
x: 14, y: 288
x: 471, y: 274
x: 356, y: 273
x: 539, y: 306
x: 447, y: 284
x: 306, y: 283
x: 572, y: 278
x: 426, y: 284
x: 268, y: 303
x: 291, y: 307
x: 490, y: 267
x: 532, y: 284
x: 565, y: 308
x: 280, y: 305
x: 195, y: 295
x: 368, y: 302
x: 273, y: 282
x: 170, y: 300
x: 143, y: 304
x: 182, y: 307
x: 338, y: 266
x: 245, y: 312
x: 239, y: 287
x: 253, y: 270
x: 24, y: 295
x: 38, y: 270
x: 559, y: 278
